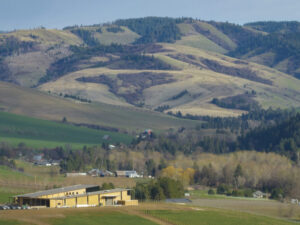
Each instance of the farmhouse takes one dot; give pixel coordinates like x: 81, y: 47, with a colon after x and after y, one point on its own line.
x: 76, y: 196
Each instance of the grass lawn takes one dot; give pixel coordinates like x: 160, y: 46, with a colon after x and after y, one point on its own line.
x: 212, y: 217
x: 113, y: 218
x: 6, y: 192
x: 4, y: 196
x: 204, y: 194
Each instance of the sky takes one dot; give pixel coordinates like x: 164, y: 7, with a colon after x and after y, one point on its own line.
x: 29, y: 14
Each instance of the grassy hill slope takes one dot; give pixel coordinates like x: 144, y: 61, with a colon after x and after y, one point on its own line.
x: 33, y: 103
x: 45, y: 36
x: 25, y: 55
x: 182, y: 67
x: 42, y: 133
x: 201, y: 76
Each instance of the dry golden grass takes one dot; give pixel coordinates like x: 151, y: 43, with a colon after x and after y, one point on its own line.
x: 203, y: 85
x: 201, y: 42
x: 107, y: 38
x: 217, y: 33
x: 24, y: 67
x: 46, y: 37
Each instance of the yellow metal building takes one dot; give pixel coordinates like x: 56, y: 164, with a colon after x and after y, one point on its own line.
x: 77, y: 196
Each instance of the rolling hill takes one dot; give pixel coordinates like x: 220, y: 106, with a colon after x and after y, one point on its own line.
x: 33, y: 103
x: 15, y: 129
x: 154, y: 63
x: 203, y: 75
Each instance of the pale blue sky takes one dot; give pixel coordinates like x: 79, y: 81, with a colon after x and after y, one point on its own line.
x: 24, y: 14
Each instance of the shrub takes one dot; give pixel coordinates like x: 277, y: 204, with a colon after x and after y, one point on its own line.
x: 237, y: 193
x: 107, y: 186
x: 223, y: 189
x: 211, y: 192
x: 277, y: 193
x: 248, y: 193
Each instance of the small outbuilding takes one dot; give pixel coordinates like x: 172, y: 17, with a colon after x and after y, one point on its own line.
x: 259, y: 194
x: 294, y: 201
x: 127, y: 173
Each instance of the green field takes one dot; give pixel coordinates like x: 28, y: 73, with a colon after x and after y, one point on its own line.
x: 212, y: 217
x: 12, y: 222
x: 164, y: 214
x: 36, y: 133
x: 111, y: 218
x: 203, y: 194
x: 4, y: 196
x: 8, y: 174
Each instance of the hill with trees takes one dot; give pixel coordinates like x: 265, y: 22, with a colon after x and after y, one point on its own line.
x: 283, y: 138
x: 183, y: 48
x: 127, y: 75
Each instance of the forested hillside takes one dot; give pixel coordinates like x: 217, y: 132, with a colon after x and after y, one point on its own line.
x: 283, y: 138
x: 153, y: 29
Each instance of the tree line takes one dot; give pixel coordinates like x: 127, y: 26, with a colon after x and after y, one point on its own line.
x: 153, y: 29
x: 159, y: 189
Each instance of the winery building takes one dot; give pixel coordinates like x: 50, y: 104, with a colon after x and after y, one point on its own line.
x: 76, y: 196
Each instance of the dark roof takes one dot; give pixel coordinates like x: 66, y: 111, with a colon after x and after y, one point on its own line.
x: 57, y: 190
x: 178, y: 200
x: 93, y: 193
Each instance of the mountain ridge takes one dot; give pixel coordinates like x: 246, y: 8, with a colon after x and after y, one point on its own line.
x: 210, y: 60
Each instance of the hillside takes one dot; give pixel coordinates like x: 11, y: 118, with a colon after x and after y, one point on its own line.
x: 37, y: 104
x: 278, y: 48
x: 283, y: 138
x: 37, y: 133
x: 161, y: 64
x: 200, y: 75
